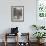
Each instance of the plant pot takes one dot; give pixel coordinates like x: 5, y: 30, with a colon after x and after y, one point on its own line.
x: 40, y: 41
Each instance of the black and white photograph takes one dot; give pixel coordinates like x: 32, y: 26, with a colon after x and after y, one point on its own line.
x: 17, y: 13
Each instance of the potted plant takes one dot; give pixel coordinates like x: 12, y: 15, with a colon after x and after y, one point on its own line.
x: 39, y: 35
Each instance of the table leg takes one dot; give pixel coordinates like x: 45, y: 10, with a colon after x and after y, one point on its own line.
x: 5, y: 40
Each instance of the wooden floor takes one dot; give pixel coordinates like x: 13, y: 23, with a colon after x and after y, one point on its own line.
x: 13, y: 44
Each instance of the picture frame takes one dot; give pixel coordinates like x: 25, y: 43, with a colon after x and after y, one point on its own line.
x: 17, y: 13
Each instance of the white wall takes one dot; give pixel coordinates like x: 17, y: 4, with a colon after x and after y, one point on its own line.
x: 29, y: 15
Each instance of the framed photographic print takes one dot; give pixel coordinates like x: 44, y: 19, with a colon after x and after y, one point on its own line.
x: 17, y: 13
